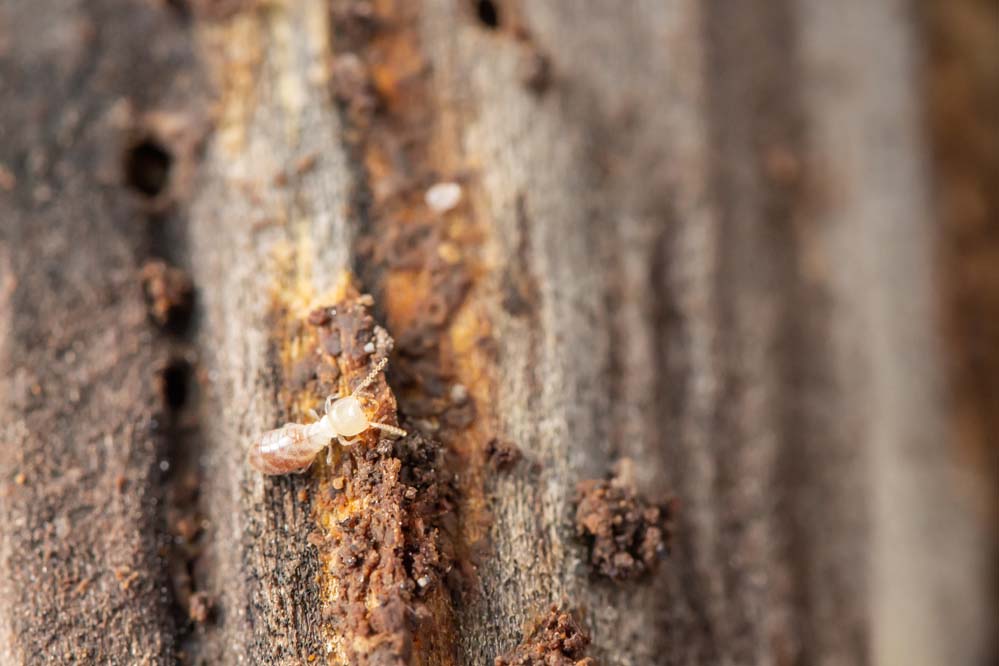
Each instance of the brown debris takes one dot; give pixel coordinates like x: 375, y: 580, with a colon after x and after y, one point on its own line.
x: 306, y: 163
x: 557, y: 639
x: 397, y: 550
x: 199, y: 608
x: 627, y: 535
x: 126, y: 576
x: 352, y: 88
x: 8, y: 181
x: 169, y: 292
x: 421, y: 266
x: 502, y: 454
x: 782, y: 166
x: 536, y: 72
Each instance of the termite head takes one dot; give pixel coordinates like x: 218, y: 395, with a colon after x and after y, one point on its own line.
x: 346, y: 416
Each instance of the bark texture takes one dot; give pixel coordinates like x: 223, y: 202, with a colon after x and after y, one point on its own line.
x: 696, y: 265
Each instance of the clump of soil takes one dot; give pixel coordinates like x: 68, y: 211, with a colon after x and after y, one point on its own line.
x: 557, y: 639
x: 169, y: 292
x: 502, y: 454
x: 627, y: 535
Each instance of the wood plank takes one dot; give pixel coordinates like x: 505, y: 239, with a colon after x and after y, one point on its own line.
x: 692, y: 251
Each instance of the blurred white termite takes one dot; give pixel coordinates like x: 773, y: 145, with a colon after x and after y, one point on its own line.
x: 293, y: 446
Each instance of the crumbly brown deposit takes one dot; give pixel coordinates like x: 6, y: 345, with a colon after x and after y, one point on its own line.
x: 385, y: 506
x: 168, y: 291
x: 557, y: 639
x: 626, y: 534
x: 502, y: 454
x: 422, y: 264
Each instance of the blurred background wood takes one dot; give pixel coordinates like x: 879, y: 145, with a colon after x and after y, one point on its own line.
x: 749, y: 247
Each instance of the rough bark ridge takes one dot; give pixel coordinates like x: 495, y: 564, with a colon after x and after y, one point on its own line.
x: 693, y: 252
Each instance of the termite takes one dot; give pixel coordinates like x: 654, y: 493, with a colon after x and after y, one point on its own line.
x: 293, y: 446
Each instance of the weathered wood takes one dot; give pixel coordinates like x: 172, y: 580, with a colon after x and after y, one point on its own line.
x: 694, y: 248
x: 82, y: 547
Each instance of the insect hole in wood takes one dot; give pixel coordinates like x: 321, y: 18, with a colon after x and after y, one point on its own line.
x: 293, y: 446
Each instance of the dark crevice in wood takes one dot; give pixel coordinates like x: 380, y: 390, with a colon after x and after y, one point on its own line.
x: 488, y: 13
x: 182, y: 441
x: 176, y: 378
x: 147, y: 167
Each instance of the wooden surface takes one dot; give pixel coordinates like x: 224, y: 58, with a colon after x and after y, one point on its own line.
x: 697, y: 248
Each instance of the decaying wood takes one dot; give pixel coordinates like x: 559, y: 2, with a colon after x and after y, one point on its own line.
x: 694, y: 253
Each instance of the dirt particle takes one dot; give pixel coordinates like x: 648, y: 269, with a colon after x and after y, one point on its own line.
x: 199, y: 608
x: 125, y: 576
x: 536, y: 73
x: 626, y: 534
x: 319, y: 317
x: 557, y: 639
x: 299, y: 168
x: 352, y: 88
x: 20, y: 479
x: 8, y: 181
x: 306, y: 163
x: 169, y: 293
x: 81, y: 587
x: 443, y: 197
x: 782, y: 166
x: 502, y: 455
x: 459, y: 393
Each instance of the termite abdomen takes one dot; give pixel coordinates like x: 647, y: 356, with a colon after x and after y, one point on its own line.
x: 290, y: 448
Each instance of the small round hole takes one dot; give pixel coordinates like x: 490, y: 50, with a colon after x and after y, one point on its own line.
x: 173, y: 384
x: 147, y: 167
x: 488, y: 13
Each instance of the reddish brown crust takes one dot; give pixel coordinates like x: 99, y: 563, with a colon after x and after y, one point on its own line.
x: 294, y: 454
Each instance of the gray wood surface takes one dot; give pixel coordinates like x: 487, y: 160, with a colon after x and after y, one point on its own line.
x: 696, y: 245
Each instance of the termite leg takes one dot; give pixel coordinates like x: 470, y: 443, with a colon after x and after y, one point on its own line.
x: 344, y: 441
x: 315, y: 415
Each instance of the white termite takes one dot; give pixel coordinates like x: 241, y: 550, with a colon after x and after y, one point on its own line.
x: 293, y: 446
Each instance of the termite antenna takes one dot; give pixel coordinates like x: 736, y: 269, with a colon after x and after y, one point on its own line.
x: 379, y: 366
x: 391, y: 429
